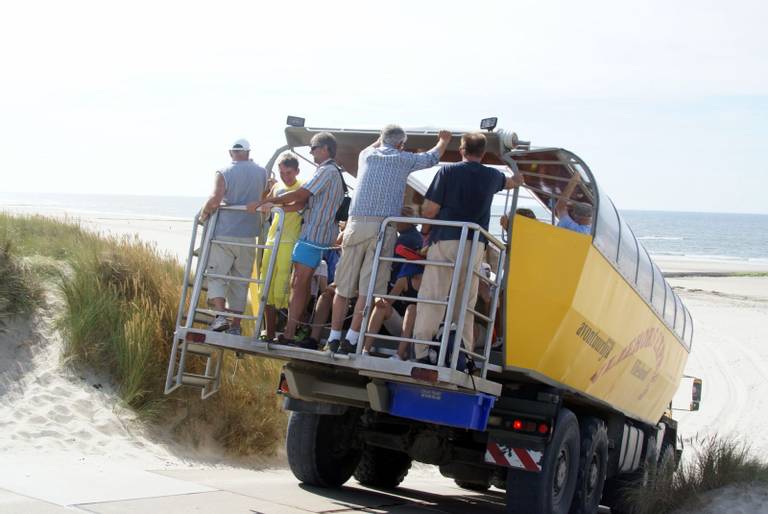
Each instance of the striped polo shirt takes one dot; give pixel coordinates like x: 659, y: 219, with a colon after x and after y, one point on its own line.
x: 320, y: 214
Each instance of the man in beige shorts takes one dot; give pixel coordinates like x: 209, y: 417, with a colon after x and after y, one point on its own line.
x: 382, y: 172
x: 459, y: 192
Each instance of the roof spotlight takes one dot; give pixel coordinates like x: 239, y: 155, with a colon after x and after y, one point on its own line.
x: 295, y: 121
x: 488, y: 124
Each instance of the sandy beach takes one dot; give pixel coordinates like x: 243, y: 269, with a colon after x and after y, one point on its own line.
x: 65, y: 442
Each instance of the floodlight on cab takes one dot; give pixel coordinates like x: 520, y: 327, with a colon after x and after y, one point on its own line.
x: 295, y: 121
x: 488, y: 124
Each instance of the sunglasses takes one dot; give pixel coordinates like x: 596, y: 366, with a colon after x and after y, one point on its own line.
x: 313, y: 148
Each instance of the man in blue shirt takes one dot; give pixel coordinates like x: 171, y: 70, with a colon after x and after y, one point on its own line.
x: 579, y: 217
x: 459, y: 192
x: 382, y: 172
x: 241, y: 183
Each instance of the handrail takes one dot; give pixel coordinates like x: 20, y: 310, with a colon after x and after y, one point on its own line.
x: 460, y: 266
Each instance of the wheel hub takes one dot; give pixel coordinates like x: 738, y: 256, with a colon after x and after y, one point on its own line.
x: 593, y: 472
x: 561, y: 472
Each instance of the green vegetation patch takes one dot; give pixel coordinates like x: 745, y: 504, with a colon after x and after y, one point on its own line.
x: 718, y: 462
x: 121, y: 298
x: 19, y: 289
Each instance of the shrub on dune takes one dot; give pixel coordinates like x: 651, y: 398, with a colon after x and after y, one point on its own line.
x: 717, y: 462
x: 121, y: 298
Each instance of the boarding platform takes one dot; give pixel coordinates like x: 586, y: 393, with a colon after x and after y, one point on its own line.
x: 347, y: 374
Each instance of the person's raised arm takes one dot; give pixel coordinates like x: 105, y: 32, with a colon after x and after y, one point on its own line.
x: 515, y: 180
x: 429, y: 209
x: 214, y: 201
x: 443, y: 138
x: 300, y: 195
x: 561, y: 207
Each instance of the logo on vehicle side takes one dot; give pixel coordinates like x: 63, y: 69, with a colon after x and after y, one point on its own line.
x: 652, y: 338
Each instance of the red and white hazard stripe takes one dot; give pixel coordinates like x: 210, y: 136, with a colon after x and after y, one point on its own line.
x: 521, y: 458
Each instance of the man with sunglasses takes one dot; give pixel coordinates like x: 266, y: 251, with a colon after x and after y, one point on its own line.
x: 323, y: 194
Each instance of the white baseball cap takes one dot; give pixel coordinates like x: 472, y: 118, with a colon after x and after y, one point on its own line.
x: 241, y: 144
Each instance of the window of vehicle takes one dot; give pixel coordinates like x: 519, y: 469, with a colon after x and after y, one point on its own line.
x: 680, y: 318
x: 627, y: 253
x: 607, y: 228
x: 669, y: 307
x: 645, y: 275
x: 659, y: 286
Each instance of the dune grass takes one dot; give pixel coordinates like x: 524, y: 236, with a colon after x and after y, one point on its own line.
x: 717, y: 462
x: 121, y: 297
x: 19, y: 291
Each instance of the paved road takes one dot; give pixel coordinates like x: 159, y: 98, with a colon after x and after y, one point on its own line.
x: 235, y: 491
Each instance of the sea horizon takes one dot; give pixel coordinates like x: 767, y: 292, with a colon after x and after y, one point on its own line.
x: 680, y: 234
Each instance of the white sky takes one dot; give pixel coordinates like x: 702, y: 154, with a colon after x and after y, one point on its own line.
x: 666, y: 101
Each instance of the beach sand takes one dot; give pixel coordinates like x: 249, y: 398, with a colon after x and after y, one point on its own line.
x: 64, y: 440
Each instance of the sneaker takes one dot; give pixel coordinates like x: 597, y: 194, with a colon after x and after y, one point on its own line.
x: 219, y: 324
x: 395, y: 358
x: 281, y: 339
x: 234, y: 331
x: 332, y: 346
x: 346, y: 348
x: 308, y: 343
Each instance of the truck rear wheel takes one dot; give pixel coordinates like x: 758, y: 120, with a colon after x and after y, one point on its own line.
x: 382, y: 467
x: 551, y: 490
x: 593, y: 466
x: 321, y: 448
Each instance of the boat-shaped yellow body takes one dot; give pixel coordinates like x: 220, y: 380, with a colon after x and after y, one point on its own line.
x: 572, y: 319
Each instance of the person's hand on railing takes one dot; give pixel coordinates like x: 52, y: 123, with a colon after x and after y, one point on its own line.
x: 252, y: 207
x: 504, y: 221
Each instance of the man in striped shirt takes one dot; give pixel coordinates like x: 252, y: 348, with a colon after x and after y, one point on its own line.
x: 323, y: 194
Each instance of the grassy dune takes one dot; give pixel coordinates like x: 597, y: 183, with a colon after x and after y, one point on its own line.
x: 121, y: 297
x: 718, y: 462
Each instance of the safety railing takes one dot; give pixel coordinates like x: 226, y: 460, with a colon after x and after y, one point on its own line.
x: 185, y: 319
x: 470, y: 232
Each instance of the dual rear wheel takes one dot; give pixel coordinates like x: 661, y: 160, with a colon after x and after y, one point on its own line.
x: 572, y: 472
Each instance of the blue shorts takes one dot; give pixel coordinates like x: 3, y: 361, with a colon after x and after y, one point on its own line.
x: 307, y: 254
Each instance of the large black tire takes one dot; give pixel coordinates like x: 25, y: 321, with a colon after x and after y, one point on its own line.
x: 615, y: 489
x: 473, y: 486
x: 551, y: 490
x: 667, y: 457
x: 321, y: 448
x: 593, y: 467
x: 381, y: 467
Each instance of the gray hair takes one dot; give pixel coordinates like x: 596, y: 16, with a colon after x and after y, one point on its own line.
x: 393, y: 135
x: 327, y: 140
x: 581, y: 209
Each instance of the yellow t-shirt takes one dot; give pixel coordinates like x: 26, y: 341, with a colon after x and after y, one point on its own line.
x: 292, y: 224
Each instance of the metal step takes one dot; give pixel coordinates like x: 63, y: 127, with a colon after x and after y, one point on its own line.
x: 192, y: 379
x: 200, y: 349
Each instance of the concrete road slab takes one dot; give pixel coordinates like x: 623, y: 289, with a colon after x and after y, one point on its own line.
x: 12, y: 503
x: 219, y: 502
x: 280, y: 489
x: 73, y: 480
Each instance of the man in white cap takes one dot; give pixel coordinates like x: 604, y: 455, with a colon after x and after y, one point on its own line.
x: 239, y: 184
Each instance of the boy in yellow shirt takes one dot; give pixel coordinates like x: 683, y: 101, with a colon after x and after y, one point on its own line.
x: 277, y: 297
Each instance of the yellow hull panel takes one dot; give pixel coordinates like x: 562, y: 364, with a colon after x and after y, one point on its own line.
x: 574, y: 319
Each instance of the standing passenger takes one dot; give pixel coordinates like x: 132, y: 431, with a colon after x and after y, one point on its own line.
x: 578, y: 215
x: 459, y: 192
x: 382, y: 171
x: 277, y: 296
x: 323, y: 194
x: 241, y: 183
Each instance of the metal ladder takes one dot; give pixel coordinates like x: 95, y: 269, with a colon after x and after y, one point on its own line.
x: 185, y: 343
x: 449, y: 324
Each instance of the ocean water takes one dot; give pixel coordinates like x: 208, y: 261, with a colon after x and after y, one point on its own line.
x: 682, y: 234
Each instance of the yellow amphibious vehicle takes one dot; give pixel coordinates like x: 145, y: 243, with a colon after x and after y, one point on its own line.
x: 565, y: 395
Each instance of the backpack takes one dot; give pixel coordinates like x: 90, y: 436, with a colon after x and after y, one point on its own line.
x: 342, y: 213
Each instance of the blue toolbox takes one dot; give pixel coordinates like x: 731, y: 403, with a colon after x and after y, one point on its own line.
x: 440, y: 406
